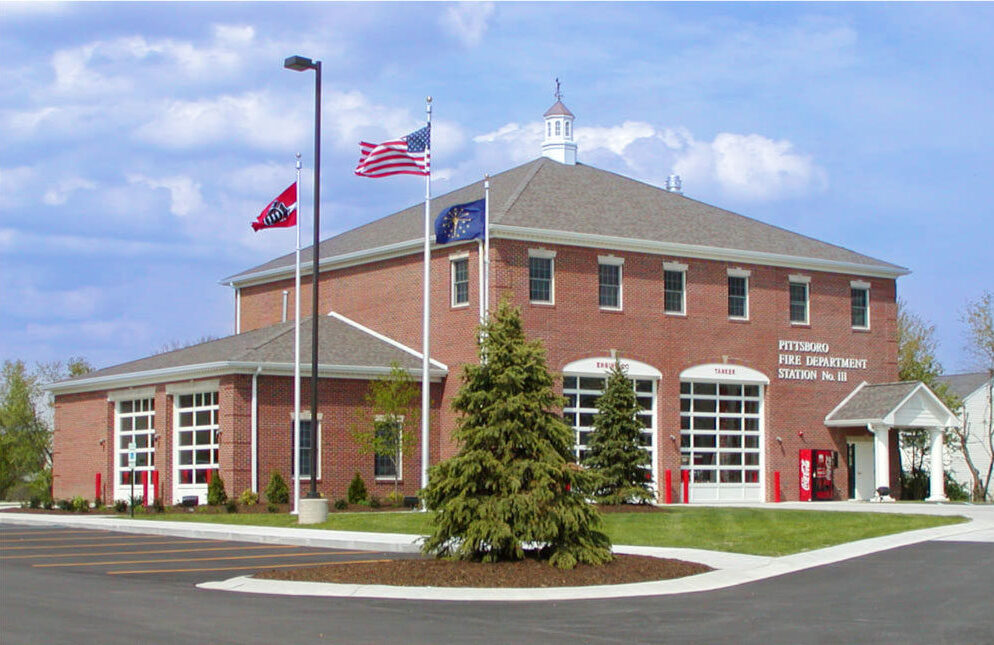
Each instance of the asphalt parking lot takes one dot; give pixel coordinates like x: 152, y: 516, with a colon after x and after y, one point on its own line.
x: 89, y: 552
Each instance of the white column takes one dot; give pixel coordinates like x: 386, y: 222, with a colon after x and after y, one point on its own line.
x: 881, y: 456
x: 937, y: 492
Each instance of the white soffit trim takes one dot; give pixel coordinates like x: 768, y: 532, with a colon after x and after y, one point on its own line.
x: 724, y: 372
x: 386, y: 339
x: 193, y: 387
x: 600, y: 366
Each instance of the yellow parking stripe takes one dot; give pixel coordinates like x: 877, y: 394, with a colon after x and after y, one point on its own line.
x: 297, y: 565
x: 225, y: 557
x: 81, y: 546
x: 70, y: 539
x: 95, y: 553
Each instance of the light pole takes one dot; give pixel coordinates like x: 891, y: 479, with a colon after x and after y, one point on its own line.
x: 300, y: 64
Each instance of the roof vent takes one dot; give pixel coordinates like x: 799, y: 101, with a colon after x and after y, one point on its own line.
x: 674, y: 185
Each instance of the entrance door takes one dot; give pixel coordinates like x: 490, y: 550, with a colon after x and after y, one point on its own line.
x: 860, y: 464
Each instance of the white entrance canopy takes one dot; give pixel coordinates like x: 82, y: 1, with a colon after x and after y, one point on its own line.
x: 907, y: 404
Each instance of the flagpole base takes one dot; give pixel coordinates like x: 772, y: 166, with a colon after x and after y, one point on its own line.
x: 313, y: 510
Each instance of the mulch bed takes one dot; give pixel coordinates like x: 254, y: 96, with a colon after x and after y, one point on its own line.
x: 412, y: 572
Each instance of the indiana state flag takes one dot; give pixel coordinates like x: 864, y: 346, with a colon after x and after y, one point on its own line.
x: 461, y: 222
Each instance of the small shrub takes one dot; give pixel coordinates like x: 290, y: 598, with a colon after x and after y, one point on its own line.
x: 48, y: 505
x: 277, y: 492
x: 34, y: 502
x: 374, y: 502
x: 215, y: 490
x: 248, y: 498
x: 158, y: 506
x: 120, y: 505
x: 135, y: 501
x: 98, y: 503
x: 341, y: 504
x: 273, y: 508
x: 357, y: 490
x: 395, y: 498
x: 231, y: 506
x: 79, y: 504
x: 955, y: 491
x: 65, y: 505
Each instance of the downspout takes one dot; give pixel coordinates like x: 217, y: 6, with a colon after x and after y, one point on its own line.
x: 255, y: 429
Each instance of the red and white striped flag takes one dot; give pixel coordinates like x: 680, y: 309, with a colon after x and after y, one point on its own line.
x: 279, y: 213
x: 410, y: 155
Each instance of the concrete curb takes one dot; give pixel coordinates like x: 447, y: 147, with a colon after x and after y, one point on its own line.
x: 731, y: 568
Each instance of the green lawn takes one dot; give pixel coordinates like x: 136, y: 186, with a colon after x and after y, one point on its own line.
x: 739, y: 530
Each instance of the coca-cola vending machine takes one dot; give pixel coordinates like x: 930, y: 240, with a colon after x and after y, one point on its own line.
x: 815, y: 471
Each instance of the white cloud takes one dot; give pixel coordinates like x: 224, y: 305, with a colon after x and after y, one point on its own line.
x: 749, y: 166
x: 32, y: 302
x: 260, y: 119
x: 184, y: 193
x: 59, y: 194
x: 468, y: 21
x: 16, y: 186
x: 615, y: 138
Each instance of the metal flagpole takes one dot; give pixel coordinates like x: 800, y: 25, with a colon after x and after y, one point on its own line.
x: 426, y: 311
x: 296, y: 360
x: 479, y: 255
x: 486, y: 246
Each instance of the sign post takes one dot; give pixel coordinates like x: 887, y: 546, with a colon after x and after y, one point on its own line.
x: 132, y: 457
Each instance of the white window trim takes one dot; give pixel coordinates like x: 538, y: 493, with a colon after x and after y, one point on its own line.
x: 123, y: 491
x: 452, y: 280
x: 400, y: 455
x: 550, y: 255
x: 612, y: 260
x: 178, y: 389
x: 306, y: 416
x: 865, y: 286
x: 805, y: 281
x: 741, y: 273
x: 677, y: 267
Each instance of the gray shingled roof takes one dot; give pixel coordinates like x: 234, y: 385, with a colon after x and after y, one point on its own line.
x: 963, y: 385
x: 340, y: 344
x: 547, y: 195
x: 873, y: 401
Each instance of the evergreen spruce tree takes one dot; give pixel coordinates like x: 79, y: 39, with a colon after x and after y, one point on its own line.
x: 614, y: 455
x: 513, y: 485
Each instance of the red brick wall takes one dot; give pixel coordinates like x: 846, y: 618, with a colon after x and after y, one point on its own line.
x: 386, y: 297
x: 82, y: 445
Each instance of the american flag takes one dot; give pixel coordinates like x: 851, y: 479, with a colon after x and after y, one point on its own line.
x: 408, y: 155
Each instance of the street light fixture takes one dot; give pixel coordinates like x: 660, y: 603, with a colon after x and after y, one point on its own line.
x: 300, y: 64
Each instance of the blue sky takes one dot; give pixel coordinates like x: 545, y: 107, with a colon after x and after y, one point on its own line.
x: 138, y: 140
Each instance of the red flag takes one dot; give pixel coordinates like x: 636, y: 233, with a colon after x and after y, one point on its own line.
x: 279, y: 213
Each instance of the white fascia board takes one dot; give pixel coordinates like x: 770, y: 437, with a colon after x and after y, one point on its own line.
x: 693, y: 251
x: 387, y: 339
x: 951, y: 419
x: 206, y: 370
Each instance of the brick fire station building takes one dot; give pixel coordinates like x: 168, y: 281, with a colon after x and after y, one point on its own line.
x: 748, y: 346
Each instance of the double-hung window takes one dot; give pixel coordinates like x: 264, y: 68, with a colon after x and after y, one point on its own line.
x: 541, y: 273
x: 799, y: 286
x: 860, y: 304
x: 674, y: 288
x: 460, y: 281
x: 609, y: 281
x: 738, y: 294
x: 389, y: 440
x: 308, y: 443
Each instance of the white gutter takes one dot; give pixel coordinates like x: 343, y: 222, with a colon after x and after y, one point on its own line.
x: 205, y: 370
x: 550, y: 236
x: 255, y: 429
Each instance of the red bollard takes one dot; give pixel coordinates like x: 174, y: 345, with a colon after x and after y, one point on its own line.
x: 685, y: 475
x: 96, y: 487
x: 210, y: 473
x: 668, y: 497
x: 145, y: 487
x: 155, y: 485
x: 776, y: 486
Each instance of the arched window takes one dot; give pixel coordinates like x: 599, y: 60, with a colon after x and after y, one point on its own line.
x: 548, y: 128
x: 557, y: 128
x: 567, y: 129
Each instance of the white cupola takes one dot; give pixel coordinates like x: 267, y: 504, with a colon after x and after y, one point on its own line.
x: 559, y: 144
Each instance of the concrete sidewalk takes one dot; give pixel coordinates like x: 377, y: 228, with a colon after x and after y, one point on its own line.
x: 730, y: 568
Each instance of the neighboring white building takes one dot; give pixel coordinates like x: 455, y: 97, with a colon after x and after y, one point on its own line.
x: 975, y: 391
